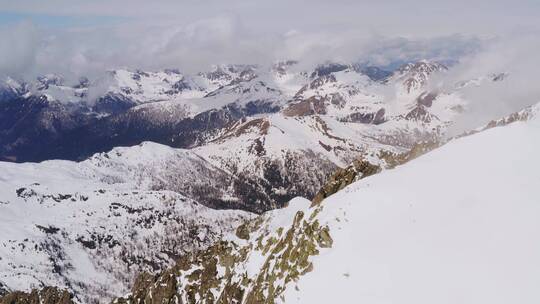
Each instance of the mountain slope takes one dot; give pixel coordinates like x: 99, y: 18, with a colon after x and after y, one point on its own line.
x: 452, y: 226
x: 90, y: 227
x: 124, y: 108
x: 253, y: 143
x: 456, y: 225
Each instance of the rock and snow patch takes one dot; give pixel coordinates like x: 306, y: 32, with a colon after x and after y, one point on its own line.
x: 90, y: 227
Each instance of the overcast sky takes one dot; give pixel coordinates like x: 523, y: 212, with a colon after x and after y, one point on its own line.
x: 85, y: 37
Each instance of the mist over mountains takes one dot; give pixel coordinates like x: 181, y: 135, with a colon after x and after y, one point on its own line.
x: 278, y: 152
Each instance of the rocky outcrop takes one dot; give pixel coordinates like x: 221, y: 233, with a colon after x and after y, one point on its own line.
x: 343, y: 177
x: 361, y: 168
x: 375, y: 118
x: 311, y: 106
x: 221, y: 273
x: 374, y: 73
x: 426, y: 98
x: 47, y: 295
x: 421, y: 114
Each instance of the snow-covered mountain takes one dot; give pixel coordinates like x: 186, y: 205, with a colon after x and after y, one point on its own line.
x: 90, y: 227
x: 238, y: 137
x: 453, y: 225
x: 263, y: 125
x: 125, y: 108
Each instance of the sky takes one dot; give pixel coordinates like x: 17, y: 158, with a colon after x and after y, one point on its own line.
x: 86, y: 37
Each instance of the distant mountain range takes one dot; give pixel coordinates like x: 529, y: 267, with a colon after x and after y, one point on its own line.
x: 136, y: 167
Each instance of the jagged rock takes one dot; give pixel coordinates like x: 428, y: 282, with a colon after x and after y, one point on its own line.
x: 220, y: 274
x: 282, y: 66
x: 273, y: 182
x: 522, y: 115
x: 420, y: 114
x: 344, y: 177
x: 47, y: 295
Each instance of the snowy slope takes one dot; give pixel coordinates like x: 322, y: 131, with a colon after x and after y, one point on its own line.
x: 260, y: 136
x: 458, y: 225
x: 455, y: 225
x: 90, y: 227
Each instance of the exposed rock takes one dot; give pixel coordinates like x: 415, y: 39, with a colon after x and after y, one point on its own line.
x: 414, y: 76
x: 327, y: 69
x: 220, y: 275
x: 311, y: 106
x: 344, y: 177
x: 337, y: 100
x: 374, y: 73
x: 362, y: 168
x: 282, y: 66
x: 320, y: 81
x: 427, y: 98
x: 112, y: 103
x: 395, y: 159
x: 3, y: 290
x: 366, y: 118
x: 421, y: 114
x: 499, y: 76
x: 47, y: 295
x: 522, y: 115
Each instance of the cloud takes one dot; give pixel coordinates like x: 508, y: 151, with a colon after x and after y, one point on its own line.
x: 18, y: 48
x: 485, y: 36
x: 415, y: 16
x: 193, y: 35
x: 196, y: 46
x: 515, y: 55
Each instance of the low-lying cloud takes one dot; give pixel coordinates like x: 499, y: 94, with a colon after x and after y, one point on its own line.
x: 192, y: 35
x: 485, y: 37
x: 30, y: 51
x: 516, y: 59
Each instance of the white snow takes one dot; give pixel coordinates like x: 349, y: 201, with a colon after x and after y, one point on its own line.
x: 108, y: 199
x: 458, y: 225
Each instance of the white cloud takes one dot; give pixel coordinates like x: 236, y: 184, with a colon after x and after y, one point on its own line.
x: 18, y: 48
x: 487, y: 36
x: 515, y: 55
x: 192, y: 35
